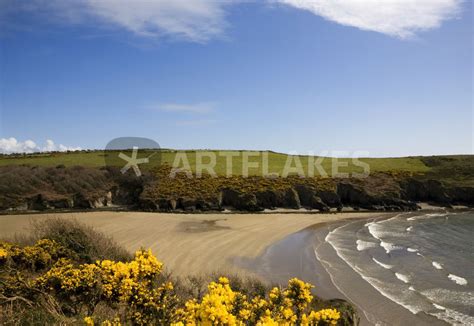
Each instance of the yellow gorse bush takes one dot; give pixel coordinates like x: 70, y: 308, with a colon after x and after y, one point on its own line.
x: 40, y: 255
x: 146, y: 299
x: 3, y: 253
x: 122, y: 280
x: 133, y: 283
x: 223, y: 306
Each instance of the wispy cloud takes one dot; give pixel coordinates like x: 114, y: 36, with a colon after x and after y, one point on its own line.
x: 400, y: 18
x: 12, y: 145
x: 203, y: 20
x: 196, y: 20
x: 196, y: 108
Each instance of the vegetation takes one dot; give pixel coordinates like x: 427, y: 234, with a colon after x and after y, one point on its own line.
x: 206, y: 187
x: 18, y: 182
x: 88, y: 244
x: 42, y: 187
x: 54, y: 282
x: 452, y: 170
x: 446, y: 180
x: 276, y: 161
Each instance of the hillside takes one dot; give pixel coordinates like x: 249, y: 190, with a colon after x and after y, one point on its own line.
x: 97, y: 159
x: 91, y: 179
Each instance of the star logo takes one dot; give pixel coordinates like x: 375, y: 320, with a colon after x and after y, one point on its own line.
x: 133, y: 162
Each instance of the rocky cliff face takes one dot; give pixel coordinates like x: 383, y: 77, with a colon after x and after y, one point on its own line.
x: 25, y: 188
x: 435, y: 192
x: 80, y: 188
x: 396, y: 195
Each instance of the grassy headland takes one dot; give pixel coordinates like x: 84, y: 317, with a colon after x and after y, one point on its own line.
x: 97, y: 159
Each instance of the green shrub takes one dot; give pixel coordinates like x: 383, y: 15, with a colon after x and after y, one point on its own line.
x: 89, y: 244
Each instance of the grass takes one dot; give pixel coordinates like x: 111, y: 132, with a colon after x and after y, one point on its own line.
x: 276, y: 161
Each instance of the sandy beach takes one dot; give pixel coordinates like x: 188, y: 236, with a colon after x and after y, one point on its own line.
x: 190, y: 243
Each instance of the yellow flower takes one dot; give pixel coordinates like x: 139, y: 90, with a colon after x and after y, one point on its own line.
x: 223, y: 280
x: 299, y: 293
x: 136, y: 285
x: 267, y: 321
x: 89, y: 321
x: 327, y: 316
x: 115, y: 322
x: 3, y: 253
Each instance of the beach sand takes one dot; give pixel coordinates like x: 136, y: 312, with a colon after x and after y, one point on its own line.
x: 190, y: 243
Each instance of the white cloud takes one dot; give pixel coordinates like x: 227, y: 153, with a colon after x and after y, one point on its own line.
x: 11, y: 145
x: 198, y: 108
x: 50, y: 146
x: 202, y: 20
x: 196, y: 20
x: 193, y: 20
x: 400, y: 18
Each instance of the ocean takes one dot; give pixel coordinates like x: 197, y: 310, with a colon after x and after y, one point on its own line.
x: 423, y: 262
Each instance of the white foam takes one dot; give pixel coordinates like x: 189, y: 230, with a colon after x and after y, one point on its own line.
x: 409, y: 228
x: 374, y: 230
x: 457, y: 279
x: 437, y: 306
x: 380, y: 286
x: 386, y: 266
x: 436, y: 214
x: 402, y: 277
x: 453, y: 317
x: 363, y: 245
x: 449, y: 297
x: 426, y: 216
x: 437, y: 265
x: 412, y: 250
x: 389, y: 247
x: 377, y: 233
x: 378, y: 230
x: 411, y: 288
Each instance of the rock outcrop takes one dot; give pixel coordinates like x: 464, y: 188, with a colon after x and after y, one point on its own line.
x: 82, y: 188
x: 240, y: 200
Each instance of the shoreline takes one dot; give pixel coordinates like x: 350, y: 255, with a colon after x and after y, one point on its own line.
x: 308, y: 256
x: 424, y: 207
x: 296, y: 251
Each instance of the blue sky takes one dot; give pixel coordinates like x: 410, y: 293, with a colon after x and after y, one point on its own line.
x: 387, y: 80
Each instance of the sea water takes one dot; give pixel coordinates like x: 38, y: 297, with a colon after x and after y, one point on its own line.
x: 423, y: 262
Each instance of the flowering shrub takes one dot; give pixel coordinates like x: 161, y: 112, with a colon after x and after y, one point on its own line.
x: 133, y: 283
x: 40, y: 255
x: 223, y: 306
x: 137, y: 293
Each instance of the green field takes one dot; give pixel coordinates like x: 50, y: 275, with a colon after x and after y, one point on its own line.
x: 457, y: 168
x: 276, y: 161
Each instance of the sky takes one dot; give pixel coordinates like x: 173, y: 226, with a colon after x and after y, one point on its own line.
x: 362, y: 77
